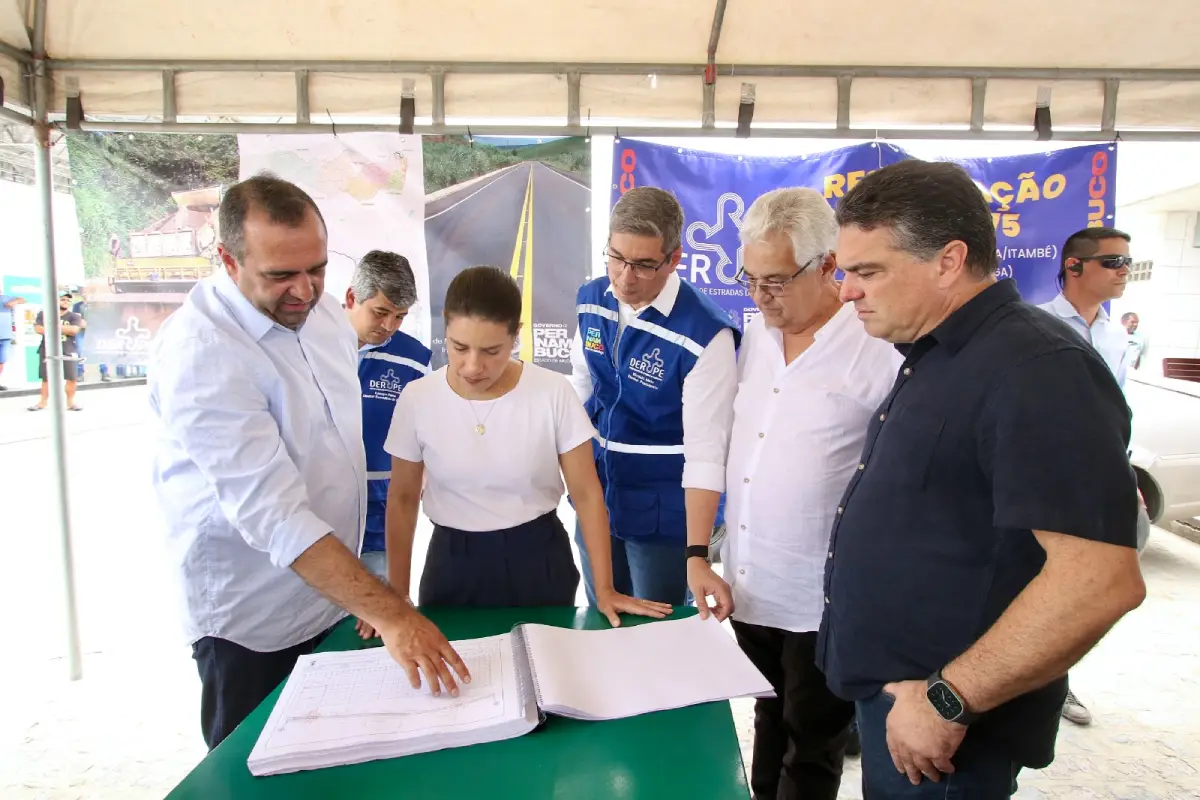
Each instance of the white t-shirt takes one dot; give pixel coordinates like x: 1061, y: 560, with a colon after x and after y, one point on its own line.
x: 505, y: 477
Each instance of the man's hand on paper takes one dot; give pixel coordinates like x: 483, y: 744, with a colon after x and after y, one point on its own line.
x: 705, y: 583
x: 420, y: 648
x: 609, y: 602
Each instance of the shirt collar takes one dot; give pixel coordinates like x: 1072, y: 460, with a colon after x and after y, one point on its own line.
x: 253, y: 321
x: 368, y: 346
x: 1063, y: 308
x: 665, y: 301
x: 957, y: 329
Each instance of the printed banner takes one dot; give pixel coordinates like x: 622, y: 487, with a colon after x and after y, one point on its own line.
x: 519, y: 204
x: 370, y: 189
x: 1037, y: 202
x: 716, y: 189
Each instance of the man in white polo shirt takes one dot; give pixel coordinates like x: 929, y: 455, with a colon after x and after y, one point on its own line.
x: 809, y: 379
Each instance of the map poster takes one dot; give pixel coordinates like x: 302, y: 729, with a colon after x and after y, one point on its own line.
x: 370, y: 189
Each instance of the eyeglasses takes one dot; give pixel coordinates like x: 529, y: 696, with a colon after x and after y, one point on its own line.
x: 1110, y: 262
x: 642, y: 269
x: 772, y: 287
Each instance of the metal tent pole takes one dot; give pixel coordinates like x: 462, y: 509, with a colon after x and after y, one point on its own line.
x: 60, y: 505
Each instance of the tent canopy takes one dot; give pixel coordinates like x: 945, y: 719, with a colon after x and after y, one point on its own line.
x: 1104, y: 65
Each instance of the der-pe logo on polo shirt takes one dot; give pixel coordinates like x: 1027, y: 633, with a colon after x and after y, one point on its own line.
x: 389, y: 383
x: 648, y: 370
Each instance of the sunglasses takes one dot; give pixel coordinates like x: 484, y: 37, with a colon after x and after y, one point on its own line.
x: 1110, y: 262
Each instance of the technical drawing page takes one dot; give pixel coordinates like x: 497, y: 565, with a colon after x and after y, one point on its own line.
x: 622, y: 672
x: 334, y: 699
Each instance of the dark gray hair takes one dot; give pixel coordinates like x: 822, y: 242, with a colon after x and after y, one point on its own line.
x: 803, y: 215
x: 648, y: 211
x: 926, y: 205
x: 284, y: 204
x: 382, y: 272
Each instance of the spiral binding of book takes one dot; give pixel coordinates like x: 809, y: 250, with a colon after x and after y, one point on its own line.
x: 527, y: 680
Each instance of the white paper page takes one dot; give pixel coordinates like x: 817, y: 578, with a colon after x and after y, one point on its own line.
x: 622, y: 672
x: 344, y: 699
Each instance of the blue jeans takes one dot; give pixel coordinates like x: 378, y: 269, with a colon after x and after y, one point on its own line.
x: 649, y: 571
x: 981, y: 772
x: 376, y: 563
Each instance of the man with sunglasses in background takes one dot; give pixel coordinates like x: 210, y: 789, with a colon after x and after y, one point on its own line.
x: 1094, y: 270
x: 654, y: 362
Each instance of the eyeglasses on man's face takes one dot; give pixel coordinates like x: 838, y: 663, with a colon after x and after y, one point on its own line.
x: 1110, y: 262
x: 772, y: 287
x: 642, y: 268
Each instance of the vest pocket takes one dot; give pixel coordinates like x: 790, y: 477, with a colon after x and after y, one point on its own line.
x: 647, y: 514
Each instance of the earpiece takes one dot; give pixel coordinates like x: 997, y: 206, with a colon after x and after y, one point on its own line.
x: 1076, y: 268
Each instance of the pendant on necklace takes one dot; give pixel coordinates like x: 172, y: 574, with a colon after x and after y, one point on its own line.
x: 480, y: 429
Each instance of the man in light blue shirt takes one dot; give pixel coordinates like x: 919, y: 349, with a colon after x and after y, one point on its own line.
x: 8, y: 304
x: 1094, y: 270
x: 260, y: 468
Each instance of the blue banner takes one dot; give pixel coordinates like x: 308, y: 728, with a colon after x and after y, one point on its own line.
x: 1037, y: 202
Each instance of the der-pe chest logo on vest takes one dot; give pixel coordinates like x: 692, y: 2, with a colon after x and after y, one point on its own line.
x: 387, y: 386
x: 648, y: 369
x: 592, y: 341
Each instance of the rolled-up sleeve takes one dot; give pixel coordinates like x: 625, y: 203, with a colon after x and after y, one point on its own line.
x: 708, y: 393
x: 214, y: 411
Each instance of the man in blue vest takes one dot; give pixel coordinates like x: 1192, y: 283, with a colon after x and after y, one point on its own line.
x: 654, y: 362
x: 381, y: 293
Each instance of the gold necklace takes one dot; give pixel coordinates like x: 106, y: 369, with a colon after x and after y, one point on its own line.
x: 479, y: 426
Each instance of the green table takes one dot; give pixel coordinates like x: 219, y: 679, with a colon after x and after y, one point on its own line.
x: 688, y: 753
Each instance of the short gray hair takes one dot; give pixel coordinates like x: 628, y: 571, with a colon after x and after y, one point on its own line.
x: 386, y: 273
x: 801, y: 214
x: 648, y: 211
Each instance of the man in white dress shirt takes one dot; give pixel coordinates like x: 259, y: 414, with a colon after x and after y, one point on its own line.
x: 260, y: 467
x: 809, y: 379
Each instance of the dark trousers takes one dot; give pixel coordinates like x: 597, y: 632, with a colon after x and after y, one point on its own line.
x: 234, y: 680
x: 529, y: 565
x: 648, y: 570
x: 981, y: 771
x: 800, y: 734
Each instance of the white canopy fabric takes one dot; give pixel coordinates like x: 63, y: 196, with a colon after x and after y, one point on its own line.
x: 640, y: 61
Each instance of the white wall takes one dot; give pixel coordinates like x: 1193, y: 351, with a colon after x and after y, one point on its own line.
x: 1167, y: 305
x: 21, y: 229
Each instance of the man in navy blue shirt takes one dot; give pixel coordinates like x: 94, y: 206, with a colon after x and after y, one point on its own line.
x: 381, y: 293
x: 986, y: 540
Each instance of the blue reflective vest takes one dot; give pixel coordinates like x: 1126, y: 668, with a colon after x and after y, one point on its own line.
x: 383, y: 372
x: 637, y: 404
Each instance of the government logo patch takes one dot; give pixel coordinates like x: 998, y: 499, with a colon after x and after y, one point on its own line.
x: 592, y: 341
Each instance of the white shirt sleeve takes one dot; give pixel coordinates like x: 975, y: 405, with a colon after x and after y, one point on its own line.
x: 221, y: 420
x: 402, y: 441
x: 708, y: 393
x: 571, y: 424
x: 581, y: 376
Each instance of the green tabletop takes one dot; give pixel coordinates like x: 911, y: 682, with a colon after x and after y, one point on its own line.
x: 688, y: 753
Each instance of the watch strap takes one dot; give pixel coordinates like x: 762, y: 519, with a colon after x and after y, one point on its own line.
x: 696, y: 551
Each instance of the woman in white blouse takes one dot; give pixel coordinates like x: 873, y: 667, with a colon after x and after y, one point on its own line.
x: 491, y: 439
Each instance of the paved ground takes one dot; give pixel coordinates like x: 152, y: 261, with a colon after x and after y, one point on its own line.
x: 129, y: 730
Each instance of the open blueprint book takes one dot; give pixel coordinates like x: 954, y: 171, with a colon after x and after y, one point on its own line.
x: 348, y: 707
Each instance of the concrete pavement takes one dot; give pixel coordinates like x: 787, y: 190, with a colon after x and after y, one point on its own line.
x: 130, y: 728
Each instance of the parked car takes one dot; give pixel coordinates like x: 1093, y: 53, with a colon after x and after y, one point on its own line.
x: 1165, y: 446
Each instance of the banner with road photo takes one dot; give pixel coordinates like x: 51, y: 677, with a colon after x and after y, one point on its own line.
x: 1037, y: 202
x: 370, y: 189
x: 519, y: 204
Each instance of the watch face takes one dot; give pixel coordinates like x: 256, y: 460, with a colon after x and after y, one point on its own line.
x: 944, y: 701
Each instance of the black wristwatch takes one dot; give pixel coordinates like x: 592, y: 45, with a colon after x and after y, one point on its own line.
x: 946, y: 701
x: 696, y: 551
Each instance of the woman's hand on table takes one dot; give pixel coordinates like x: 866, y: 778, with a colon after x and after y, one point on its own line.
x: 610, y: 602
